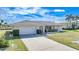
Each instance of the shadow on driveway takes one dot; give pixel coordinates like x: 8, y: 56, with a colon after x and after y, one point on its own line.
x: 32, y: 36
x: 36, y: 35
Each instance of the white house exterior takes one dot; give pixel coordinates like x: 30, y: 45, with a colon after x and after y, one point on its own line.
x: 30, y: 27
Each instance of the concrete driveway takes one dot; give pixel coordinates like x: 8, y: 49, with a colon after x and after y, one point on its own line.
x: 41, y: 43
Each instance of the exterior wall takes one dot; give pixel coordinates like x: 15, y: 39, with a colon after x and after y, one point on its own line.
x: 59, y: 29
x: 33, y: 29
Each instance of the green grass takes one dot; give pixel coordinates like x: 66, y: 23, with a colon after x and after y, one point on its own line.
x: 18, y: 45
x: 67, y: 38
x: 15, y: 43
x: 2, y: 33
x: 76, y: 30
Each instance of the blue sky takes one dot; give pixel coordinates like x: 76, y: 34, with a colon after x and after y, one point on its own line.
x: 16, y: 14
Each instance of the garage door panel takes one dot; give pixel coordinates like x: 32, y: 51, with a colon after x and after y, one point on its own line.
x: 28, y: 30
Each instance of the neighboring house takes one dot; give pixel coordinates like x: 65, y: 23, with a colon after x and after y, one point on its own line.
x: 32, y: 27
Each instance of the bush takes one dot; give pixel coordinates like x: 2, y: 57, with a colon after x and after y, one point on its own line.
x: 67, y: 28
x: 7, y: 34
x: 3, y: 39
x: 15, y: 32
x: 39, y: 31
x: 4, y: 43
x: 54, y: 30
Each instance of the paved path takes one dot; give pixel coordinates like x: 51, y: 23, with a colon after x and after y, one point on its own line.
x: 44, y: 44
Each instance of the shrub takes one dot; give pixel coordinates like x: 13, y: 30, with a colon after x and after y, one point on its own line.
x: 4, y: 43
x: 3, y: 39
x: 7, y: 34
x: 15, y: 32
x: 39, y: 31
x: 54, y: 30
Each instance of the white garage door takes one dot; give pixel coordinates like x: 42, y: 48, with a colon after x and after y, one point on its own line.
x: 28, y: 30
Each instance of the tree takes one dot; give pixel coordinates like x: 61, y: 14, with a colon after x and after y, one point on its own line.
x: 0, y: 25
x: 76, y: 18
x: 69, y: 19
x: 2, y: 21
x: 72, y: 21
x: 3, y: 25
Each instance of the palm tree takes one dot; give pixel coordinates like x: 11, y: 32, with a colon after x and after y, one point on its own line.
x: 69, y: 20
x: 76, y: 19
x: 0, y: 25
x: 5, y: 25
x: 1, y: 21
x: 73, y: 22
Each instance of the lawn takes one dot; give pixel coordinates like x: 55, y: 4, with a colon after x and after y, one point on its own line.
x: 67, y: 38
x: 2, y: 33
x: 15, y: 44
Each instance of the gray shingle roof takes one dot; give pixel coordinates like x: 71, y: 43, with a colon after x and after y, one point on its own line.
x: 36, y: 23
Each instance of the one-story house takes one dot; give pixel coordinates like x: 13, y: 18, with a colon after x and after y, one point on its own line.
x: 36, y: 27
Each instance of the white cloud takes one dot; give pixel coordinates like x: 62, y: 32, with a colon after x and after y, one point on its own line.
x: 6, y: 13
x: 25, y: 10
x: 40, y: 11
x: 50, y: 18
x: 58, y: 10
x: 29, y: 10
